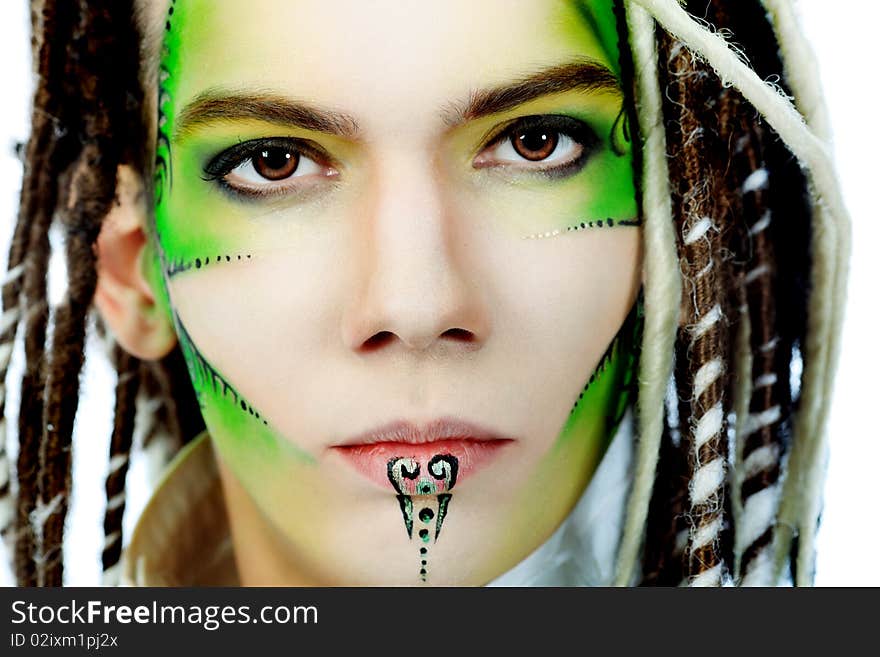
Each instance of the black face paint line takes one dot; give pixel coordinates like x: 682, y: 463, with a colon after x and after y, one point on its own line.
x: 600, y: 368
x: 608, y: 222
x: 162, y: 163
x: 173, y: 268
x: 406, y: 508
x: 206, y: 378
x: 430, y: 486
x: 626, y: 343
x: 620, y: 137
x: 442, y: 508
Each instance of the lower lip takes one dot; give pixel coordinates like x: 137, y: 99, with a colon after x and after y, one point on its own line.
x: 372, y: 460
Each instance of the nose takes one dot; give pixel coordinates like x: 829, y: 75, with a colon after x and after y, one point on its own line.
x: 413, y: 287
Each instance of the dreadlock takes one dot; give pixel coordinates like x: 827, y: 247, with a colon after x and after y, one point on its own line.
x: 87, y: 120
x: 11, y: 291
x: 120, y: 447
x: 737, y: 194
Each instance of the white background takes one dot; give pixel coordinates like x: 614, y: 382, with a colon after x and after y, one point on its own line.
x: 844, y: 36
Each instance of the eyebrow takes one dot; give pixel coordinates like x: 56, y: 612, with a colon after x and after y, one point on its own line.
x: 583, y: 75
x: 219, y: 105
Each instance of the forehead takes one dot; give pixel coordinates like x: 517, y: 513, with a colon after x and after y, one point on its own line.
x: 383, y: 60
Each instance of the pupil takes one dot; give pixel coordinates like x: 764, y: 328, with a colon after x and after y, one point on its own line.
x: 536, y: 143
x: 534, y: 140
x: 276, y: 163
x: 276, y: 158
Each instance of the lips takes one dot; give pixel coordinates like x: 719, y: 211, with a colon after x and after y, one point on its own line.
x: 402, y: 457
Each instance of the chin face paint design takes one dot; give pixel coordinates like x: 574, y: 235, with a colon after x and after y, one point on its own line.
x: 410, y: 479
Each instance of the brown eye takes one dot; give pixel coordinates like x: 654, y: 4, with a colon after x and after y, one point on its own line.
x: 549, y: 145
x: 276, y: 163
x: 273, y: 166
x: 535, y: 144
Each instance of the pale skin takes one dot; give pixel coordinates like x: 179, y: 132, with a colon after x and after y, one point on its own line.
x: 410, y: 270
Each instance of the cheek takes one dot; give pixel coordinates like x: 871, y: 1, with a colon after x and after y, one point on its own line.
x: 264, y: 324
x: 571, y: 297
x: 571, y: 294
x: 603, y: 196
x: 557, y: 305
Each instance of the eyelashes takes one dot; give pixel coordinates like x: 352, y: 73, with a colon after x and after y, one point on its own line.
x: 276, y: 166
x: 554, y: 146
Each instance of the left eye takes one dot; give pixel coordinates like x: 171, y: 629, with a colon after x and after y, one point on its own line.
x: 269, y: 167
x: 274, y: 163
x: 551, y: 144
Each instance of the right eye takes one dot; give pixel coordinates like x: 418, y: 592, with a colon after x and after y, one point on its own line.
x: 269, y: 167
x: 553, y: 145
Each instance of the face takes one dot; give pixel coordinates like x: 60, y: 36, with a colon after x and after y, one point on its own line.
x: 399, y: 243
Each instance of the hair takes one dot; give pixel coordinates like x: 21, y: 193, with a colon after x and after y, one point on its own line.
x: 87, y: 120
x: 737, y: 192
x: 738, y: 202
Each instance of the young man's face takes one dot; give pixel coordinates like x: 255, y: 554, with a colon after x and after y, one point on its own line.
x: 396, y: 240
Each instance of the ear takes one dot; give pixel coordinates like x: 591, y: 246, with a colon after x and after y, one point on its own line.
x: 123, y: 295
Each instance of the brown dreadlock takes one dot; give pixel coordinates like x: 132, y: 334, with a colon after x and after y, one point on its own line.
x: 88, y: 119
x: 738, y: 196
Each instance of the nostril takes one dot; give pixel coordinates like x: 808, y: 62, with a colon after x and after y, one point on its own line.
x: 383, y: 338
x: 459, y: 335
x: 377, y: 341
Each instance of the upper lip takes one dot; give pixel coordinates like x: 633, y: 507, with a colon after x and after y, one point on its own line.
x: 403, y: 431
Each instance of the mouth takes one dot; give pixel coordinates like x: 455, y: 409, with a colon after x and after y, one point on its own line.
x: 405, y: 458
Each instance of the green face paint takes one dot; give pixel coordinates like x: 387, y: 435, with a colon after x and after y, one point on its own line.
x: 208, y: 236
x: 541, y: 203
x: 183, y: 246
x: 602, y: 403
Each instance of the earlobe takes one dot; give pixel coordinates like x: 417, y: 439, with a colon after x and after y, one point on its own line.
x: 130, y: 306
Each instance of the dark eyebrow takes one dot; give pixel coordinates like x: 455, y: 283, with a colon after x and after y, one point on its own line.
x: 215, y: 105
x: 584, y: 75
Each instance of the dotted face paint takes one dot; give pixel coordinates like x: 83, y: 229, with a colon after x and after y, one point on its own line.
x: 432, y: 480
x: 174, y: 268
x: 584, y: 225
